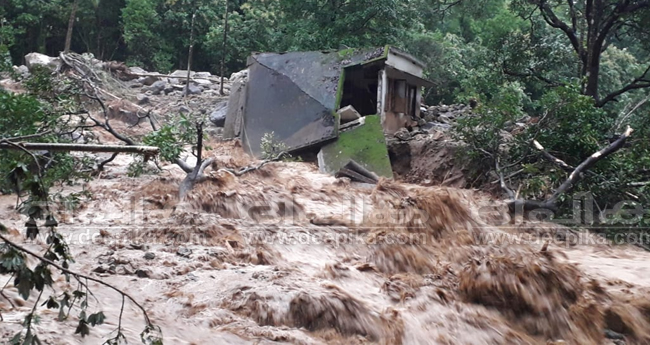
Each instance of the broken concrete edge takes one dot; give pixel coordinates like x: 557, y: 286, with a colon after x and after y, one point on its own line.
x: 348, y: 113
x: 356, y: 167
x: 364, y: 144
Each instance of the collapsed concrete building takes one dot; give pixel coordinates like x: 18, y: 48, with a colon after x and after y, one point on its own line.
x: 339, y: 103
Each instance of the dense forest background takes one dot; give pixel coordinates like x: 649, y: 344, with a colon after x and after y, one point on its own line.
x: 577, y: 69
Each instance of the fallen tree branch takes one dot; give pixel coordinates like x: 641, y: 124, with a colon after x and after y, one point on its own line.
x: 100, y: 166
x: 562, y: 164
x: 145, y: 150
x: 30, y: 136
x: 575, y: 176
x: 181, y: 78
x: 504, y: 186
x: 254, y: 167
x: 65, y: 270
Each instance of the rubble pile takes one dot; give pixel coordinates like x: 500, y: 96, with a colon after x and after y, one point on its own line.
x: 444, y: 116
x: 161, y: 93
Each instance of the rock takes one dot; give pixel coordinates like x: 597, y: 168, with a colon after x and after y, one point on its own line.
x: 124, y: 270
x: 402, y: 134
x: 149, y: 80
x: 194, y: 89
x: 149, y: 256
x: 609, y: 334
x: 22, y: 71
x: 203, y: 82
x: 184, y: 252
x: 137, y: 246
x: 184, y: 109
x: 157, y: 87
x: 137, y: 70
x: 35, y: 59
x: 444, y: 118
x: 168, y: 89
x: 101, y: 269
x: 143, y: 273
x: 241, y: 76
x: 218, y: 115
x: 202, y: 75
x: 181, y: 75
x: 142, y: 99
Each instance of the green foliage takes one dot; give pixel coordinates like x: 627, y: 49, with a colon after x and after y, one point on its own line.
x: 37, y: 114
x: 271, y: 146
x: 166, y: 139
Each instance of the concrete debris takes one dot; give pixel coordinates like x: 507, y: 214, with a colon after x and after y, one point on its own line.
x: 355, y: 172
x: 364, y: 144
x: 235, y: 111
x: 348, y: 113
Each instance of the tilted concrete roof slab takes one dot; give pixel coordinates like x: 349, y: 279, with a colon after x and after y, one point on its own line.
x: 295, y: 96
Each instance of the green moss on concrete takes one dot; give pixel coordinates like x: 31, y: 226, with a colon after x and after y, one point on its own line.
x: 339, y: 90
x: 365, y: 145
x: 346, y: 53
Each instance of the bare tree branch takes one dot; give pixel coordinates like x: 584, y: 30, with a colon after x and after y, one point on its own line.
x: 640, y: 82
x: 65, y: 270
x: 574, y: 177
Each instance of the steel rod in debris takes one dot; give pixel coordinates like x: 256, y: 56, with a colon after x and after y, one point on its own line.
x: 145, y: 150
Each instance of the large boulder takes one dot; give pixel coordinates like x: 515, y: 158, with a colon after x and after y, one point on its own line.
x: 218, y: 115
x: 36, y: 59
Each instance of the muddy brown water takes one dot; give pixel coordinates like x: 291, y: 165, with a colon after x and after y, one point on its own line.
x: 290, y: 256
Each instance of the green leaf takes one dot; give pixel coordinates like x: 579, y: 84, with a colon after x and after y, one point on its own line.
x: 82, y: 328
x: 15, y: 340
x: 96, y: 319
x: 51, y: 303
x: 24, y: 283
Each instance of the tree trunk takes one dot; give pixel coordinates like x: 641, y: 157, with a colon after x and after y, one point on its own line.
x: 189, y: 57
x: 592, y: 73
x: 146, y: 150
x: 68, y: 35
x: 223, y: 49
